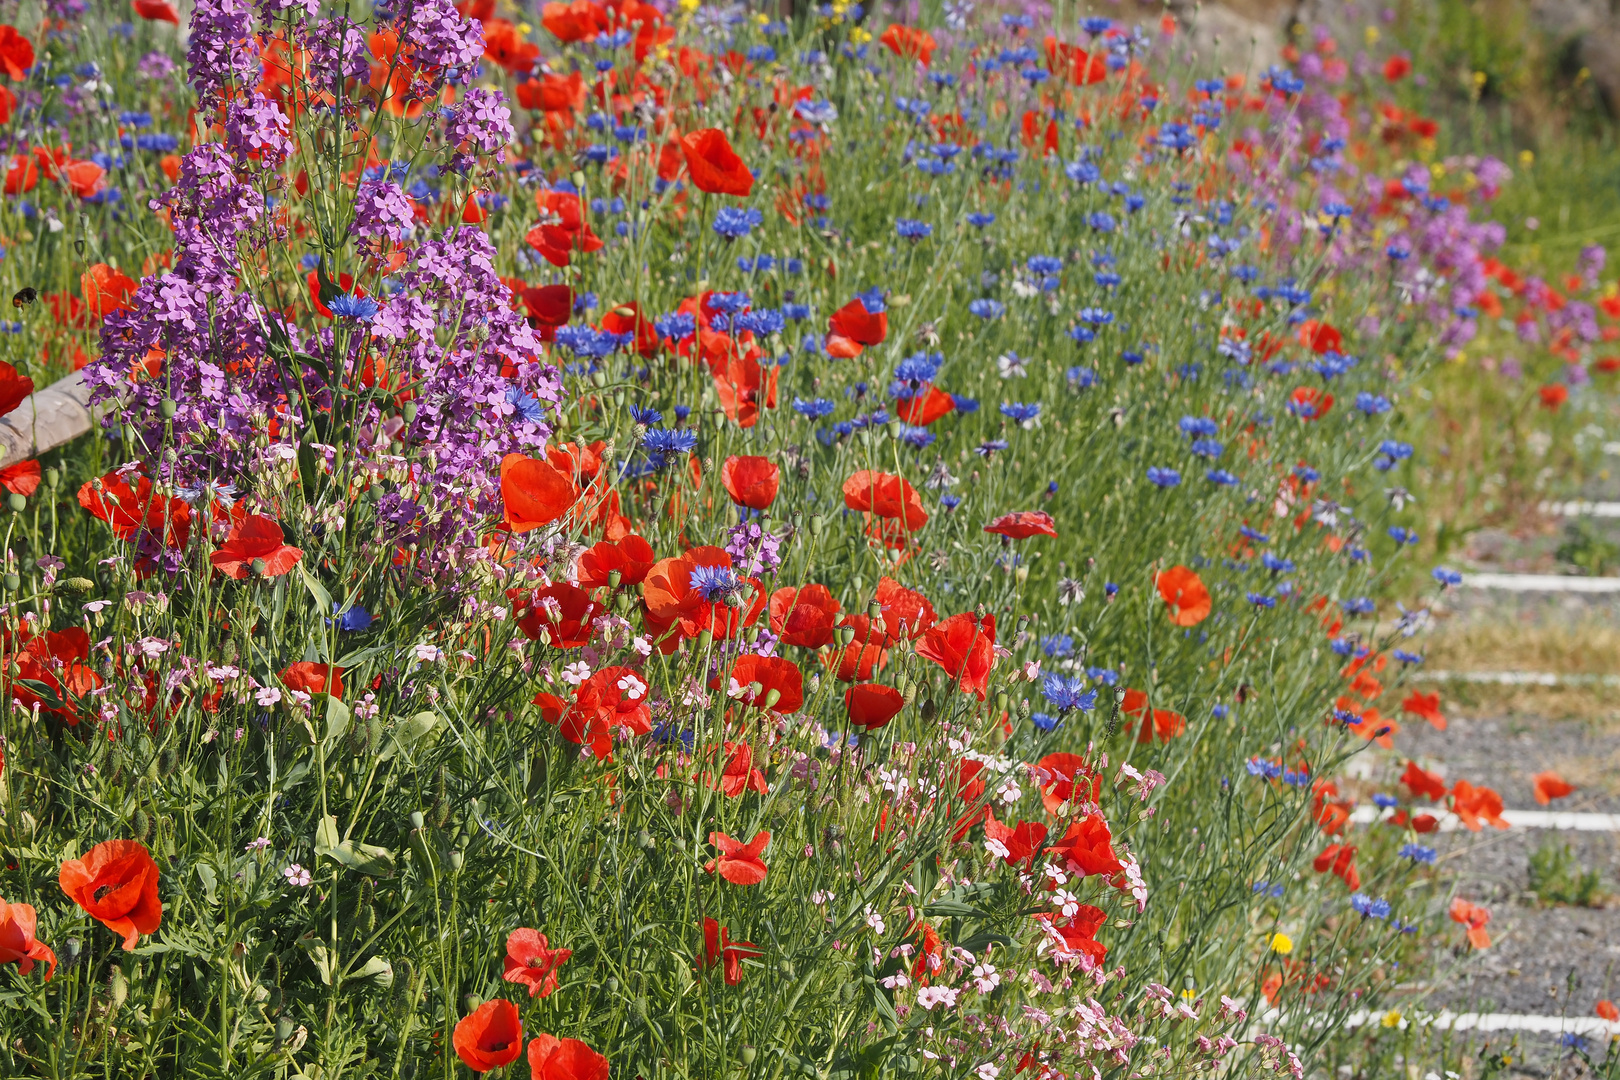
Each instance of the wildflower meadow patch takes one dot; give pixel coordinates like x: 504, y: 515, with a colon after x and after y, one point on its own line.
x: 698, y: 541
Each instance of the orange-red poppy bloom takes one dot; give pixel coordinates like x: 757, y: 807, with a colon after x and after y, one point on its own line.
x: 865, y: 655
x: 1075, y: 937
x: 1162, y: 724
x: 718, y: 948
x: 872, y: 705
x: 21, y: 478
x: 739, y: 863
x: 1184, y: 593
x: 116, y: 883
x: 714, y: 166
x: 1475, y: 805
x: 906, y: 612
x: 1088, y: 848
x: 16, y: 52
x: 630, y: 558
x: 565, y: 612
x: 17, y: 942
x: 534, y: 492
x: 751, y: 481
x: 1550, y: 786
x: 886, y: 496
x: 853, y: 327
x: 578, y: 21
x: 1607, y: 1010
x: 924, y: 406
x: 744, y: 387
x: 312, y: 678
x: 1475, y: 919
x: 255, y: 539
x: 532, y: 962
x: 129, y: 510
x: 563, y: 229
x: 1309, y: 403
x: 1553, y: 396
x: 1424, y: 705
x: 612, y: 698
x: 740, y: 775
x: 909, y: 43
x: 1017, y: 844
x: 965, y: 646
x: 105, y: 289
x: 1422, y: 783
x: 14, y: 388
x: 688, y: 593
x: 766, y: 682
x: 1022, y: 524
x: 1396, y: 68
x: 489, y: 1037
x: 1072, y: 779
x: 59, y: 660
x: 1341, y: 859
x: 156, y: 11
x: 806, y: 616
x: 551, y: 1058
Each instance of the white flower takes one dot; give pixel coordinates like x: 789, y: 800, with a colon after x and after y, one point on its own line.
x: 929, y: 996
x: 996, y: 848
x: 988, y: 1071
x: 1066, y: 902
x: 1011, y: 367
x: 498, y: 613
x: 1032, y: 670
x: 896, y: 981
x: 222, y: 672
x: 986, y: 978
x: 576, y: 673
x: 427, y: 653
x: 1055, y: 872
x: 874, y: 919
x: 297, y: 875
x: 643, y: 645
x: 267, y: 696
x: 1010, y: 792
x: 152, y: 647
x: 633, y: 687
x: 94, y: 607
x: 819, y: 897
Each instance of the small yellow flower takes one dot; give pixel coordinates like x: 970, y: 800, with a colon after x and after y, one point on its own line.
x: 761, y: 19
x: 860, y: 35
x: 1392, y: 1018
x: 1437, y: 170
x: 689, y: 6
x: 1527, y: 158
x: 1372, y: 35
x: 1190, y: 994
x: 1282, y: 944
x: 525, y: 28
x: 1480, y: 78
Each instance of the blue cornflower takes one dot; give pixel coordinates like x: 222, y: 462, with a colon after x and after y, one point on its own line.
x: 1082, y: 334
x: 1446, y: 578
x: 1402, y: 536
x: 1252, y: 536
x: 729, y: 303
x: 715, y: 583
x: 1276, y: 565
x: 1407, y: 657
x: 762, y: 322
x: 965, y: 405
x: 1165, y: 478
x: 663, y: 442
x: 1358, y: 605
x: 917, y: 438
x: 1066, y: 692
x: 1372, y: 404
x: 1195, y: 426
x: 910, y: 229
x: 1419, y: 853
x: 796, y: 312
x: 815, y: 408
x: 1081, y: 378
x: 527, y: 405
x: 1043, y: 721
x: 1096, y: 316
x: 1044, y: 265
x: 1210, y: 448
x: 1261, y: 600
x: 353, y: 618
x: 1384, y: 801
x: 980, y: 221
x: 1222, y: 477
x: 345, y: 306
x: 1132, y: 357
x: 1023, y: 415
x: 677, y: 326
x: 1369, y: 908
x: 949, y: 501
x: 733, y: 222
x: 986, y: 308
x: 1057, y: 646
x: 1101, y: 220
x: 1259, y: 766
x: 645, y: 415
x: 990, y: 447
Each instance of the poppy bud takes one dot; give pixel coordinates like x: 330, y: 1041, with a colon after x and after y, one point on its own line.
x: 874, y: 610
x: 748, y: 1054
x: 614, y: 577
x: 1021, y: 574
x: 404, y: 976
x: 638, y: 1011
x: 409, y: 412
x: 18, y: 501
x: 141, y: 825
x: 705, y: 638
x: 786, y: 968
x: 644, y: 840
x: 1001, y: 701
x: 472, y: 1001
x: 417, y: 821
x: 117, y: 987
x: 70, y: 951
x: 928, y: 710
x: 53, y: 477
x: 612, y: 985
x: 599, y: 379
x: 168, y: 761
x: 13, y: 582
x: 817, y: 523
x: 772, y: 698
x: 734, y: 600
x: 168, y: 408
x: 618, y: 398
x: 257, y: 566
x: 457, y: 859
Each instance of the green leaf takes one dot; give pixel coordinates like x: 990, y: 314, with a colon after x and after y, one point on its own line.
x: 319, y: 954
x: 366, y: 858
x: 408, y: 733
x: 210, y: 882
x: 337, y: 722
x: 316, y: 589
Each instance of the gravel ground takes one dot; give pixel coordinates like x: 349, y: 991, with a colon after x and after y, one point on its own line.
x: 1506, y: 752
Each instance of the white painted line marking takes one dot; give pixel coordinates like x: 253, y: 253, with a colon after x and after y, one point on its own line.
x: 1541, y: 583
x: 1560, y: 820
x: 1520, y: 678
x: 1581, y: 508
x: 1553, y: 1025
x: 1612, y: 448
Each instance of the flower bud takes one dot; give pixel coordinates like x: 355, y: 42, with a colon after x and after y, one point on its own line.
x: 18, y: 501
x: 168, y: 408
x: 417, y: 820
x: 772, y: 698
x: 53, y: 477
x: 817, y: 523
x: 874, y: 611
x: 614, y: 577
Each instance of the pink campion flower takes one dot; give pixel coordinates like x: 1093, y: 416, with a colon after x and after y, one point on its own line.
x: 929, y: 996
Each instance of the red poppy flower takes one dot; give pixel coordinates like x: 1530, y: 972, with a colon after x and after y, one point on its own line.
x: 21, y: 478
x: 1475, y: 805
x: 1475, y: 918
x: 17, y: 942
x: 886, y: 496
x: 924, y: 406
x: 116, y: 883
x: 626, y: 318
x: 718, y: 948
x: 16, y: 52
x: 532, y: 962
x: 909, y: 43
x: 688, y: 593
x: 1073, y: 63
x: 739, y: 774
x: 745, y: 387
x: 1017, y: 844
x: 631, y: 558
x: 1553, y: 396
x: 1341, y: 859
x: 1075, y: 937
x: 131, y: 510
x: 612, y: 698
x: 965, y: 646
x: 565, y: 612
x: 775, y: 676
x: 864, y: 656
x: 553, y: 93
x: 853, y: 327
x: 1022, y: 524
x: 551, y: 1058
x: 105, y: 289
x: 534, y: 492
x: 489, y: 1037
x: 547, y: 307
x: 714, y: 166
x: 1309, y: 403
x: 255, y: 539
x: 806, y: 616
x: 1421, y: 704
x: 1072, y: 779
x: 872, y: 705
x: 1320, y: 337
x: 1550, y: 786
x: 1421, y: 783
x: 312, y: 678
x: 157, y: 11
x: 1184, y: 592
x: 14, y: 388
x: 578, y: 21
x: 739, y: 863
x: 1608, y: 1010
x: 1396, y: 68
x: 1088, y: 848
x: 58, y: 659
x: 1163, y: 724
x: 563, y: 229
x: 906, y: 612
x: 750, y: 481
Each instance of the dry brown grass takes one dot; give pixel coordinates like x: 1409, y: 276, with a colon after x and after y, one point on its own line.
x: 1586, y: 648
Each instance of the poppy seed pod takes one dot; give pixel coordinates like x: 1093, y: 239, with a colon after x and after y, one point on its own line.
x: 772, y: 697
x: 417, y: 821
x: 18, y: 501
x: 167, y: 407
x: 53, y: 477
x: 817, y: 523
